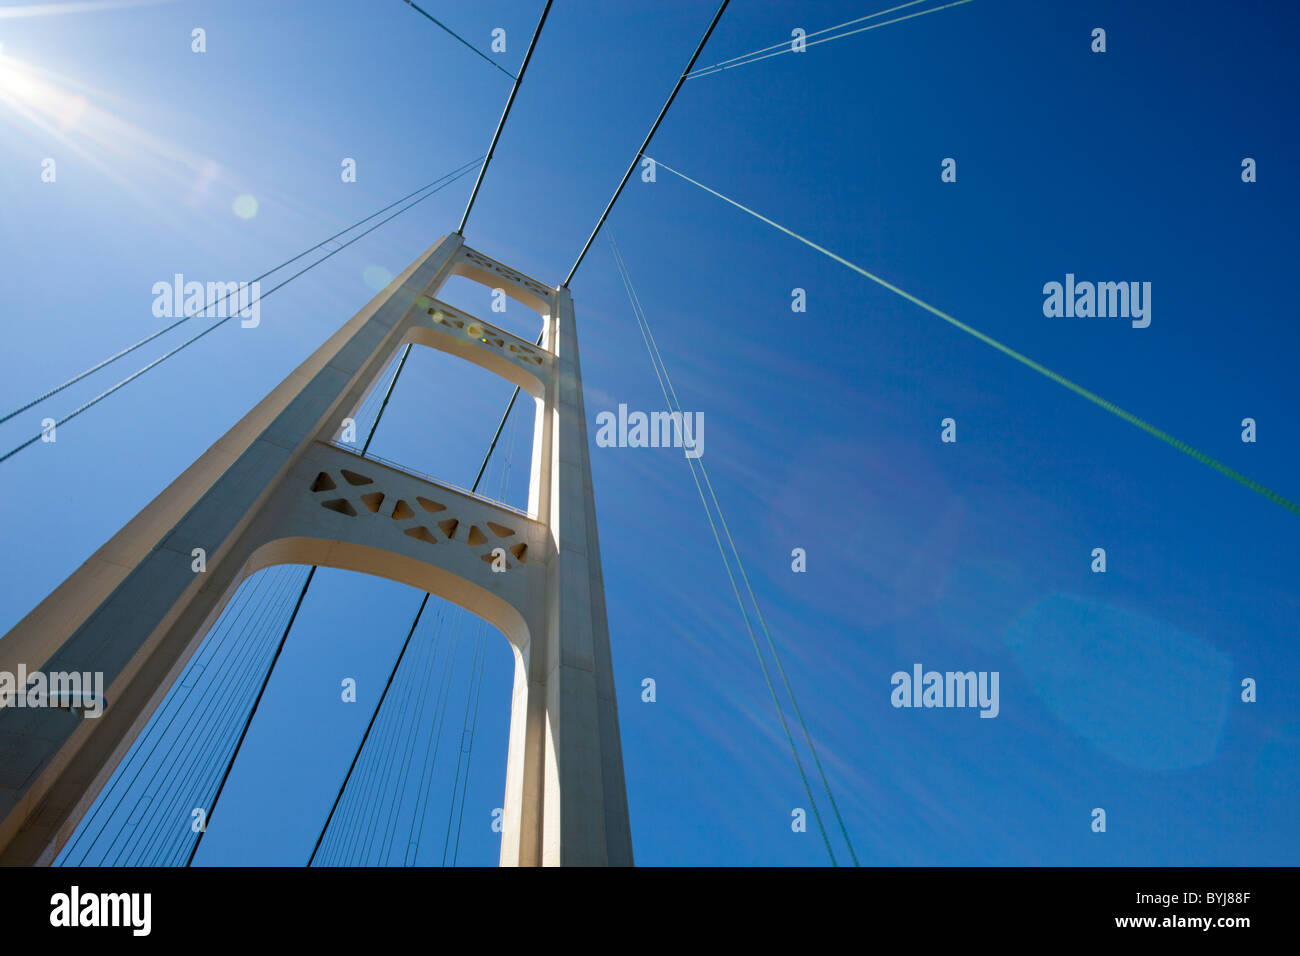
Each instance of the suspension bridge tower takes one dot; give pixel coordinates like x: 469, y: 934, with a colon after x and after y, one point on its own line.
x: 279, y: 488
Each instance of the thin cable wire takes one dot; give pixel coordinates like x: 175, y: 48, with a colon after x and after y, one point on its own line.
x: 785, y: 43
x: 412, y: 843
x: 646, y: 143
x: 212, y: 805
x: 222, y: 733
x: 163, y: 331
x: 460, y: 746
x: 368, y: 789
x: 469, y: 754
x: 1079, y: 390
x: 210, y: 758
x: 787, y: 46
x: 767, y: 677
x: 502, y: 490
x: 461, y: 39
x: 449, y: 663
x: 430, y: 659
x: 204, y: 731
x: 500, y: 425
x: 384, y: 404
x: 378, y: 707
x: 169, y: 706
x: 130, y: 378
x: 460, y: 230
x: 406, y: 732
x: 231, y: 653
x: 740, y: 564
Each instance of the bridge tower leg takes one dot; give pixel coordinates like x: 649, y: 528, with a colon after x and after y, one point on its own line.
x: 279, y: 488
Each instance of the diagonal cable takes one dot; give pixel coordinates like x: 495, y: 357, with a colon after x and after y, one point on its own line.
x: 1024, y: 360
x: 510, y: 100
x: 444, y: 26
x: 787, y: 46
x: 224, y: 299
x: 646, y: 143
x: 190, y: 341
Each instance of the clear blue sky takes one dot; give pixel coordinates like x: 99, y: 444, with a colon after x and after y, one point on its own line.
x: 1117, y: 690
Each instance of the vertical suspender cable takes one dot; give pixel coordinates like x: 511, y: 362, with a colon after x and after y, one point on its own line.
x: 362, y: 746
x: 251, y: 714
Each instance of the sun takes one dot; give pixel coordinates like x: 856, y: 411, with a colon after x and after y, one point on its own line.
x: 16, y: 81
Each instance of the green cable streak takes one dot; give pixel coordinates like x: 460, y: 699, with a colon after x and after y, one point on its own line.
x: 780, y: 711
x: 1097, y: 400
x: 844, y: 832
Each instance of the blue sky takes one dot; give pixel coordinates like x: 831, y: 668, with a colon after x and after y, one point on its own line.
x: 1117, y: 690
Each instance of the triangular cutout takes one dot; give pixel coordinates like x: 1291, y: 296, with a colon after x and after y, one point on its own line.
x: 341, y: 506
x: 499, y: 530
x: 323, y: 482
x: 352, y: 478
x: 430, y: 506
x: 519, y: 550
x: 476, y: 536
x: 421, y: 533
x: 449, y: 527
x: 373, y: 501
x: 402, y: 511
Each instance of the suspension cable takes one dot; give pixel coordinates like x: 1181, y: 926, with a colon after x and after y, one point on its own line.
x: 461, y: 39
x: 1024, y: 360
x: 133, y: 376
x: 224, y: 299
x: 251, y: 714
x: 788, y: 45
x: 361, y: 747
x: 510, y: 100
x: 665, y: 385
x: 646, y: 144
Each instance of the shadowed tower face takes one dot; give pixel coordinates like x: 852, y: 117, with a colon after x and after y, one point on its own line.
x: 279, y: 489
